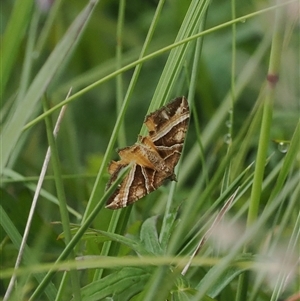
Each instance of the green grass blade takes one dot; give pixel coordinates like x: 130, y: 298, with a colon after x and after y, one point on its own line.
x: 12, y: 232
x: 13, y: 129
x: 62, y: 200
x: 12, y: 38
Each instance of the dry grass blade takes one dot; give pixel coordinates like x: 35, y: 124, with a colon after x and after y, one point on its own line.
x: 204, y: 238
x: 34, y: 202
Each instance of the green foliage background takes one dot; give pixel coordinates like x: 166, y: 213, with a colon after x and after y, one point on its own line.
x: 121, y: 60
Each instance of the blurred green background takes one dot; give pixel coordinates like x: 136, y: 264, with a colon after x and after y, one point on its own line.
x: 89, y: 120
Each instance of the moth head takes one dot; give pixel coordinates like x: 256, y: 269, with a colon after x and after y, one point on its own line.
x: 169, y: 172
x: 173, y: 177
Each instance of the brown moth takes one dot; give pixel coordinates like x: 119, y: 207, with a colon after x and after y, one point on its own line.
x: 154, y: 157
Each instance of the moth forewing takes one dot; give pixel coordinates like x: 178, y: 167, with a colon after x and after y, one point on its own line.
x: 153, y: 157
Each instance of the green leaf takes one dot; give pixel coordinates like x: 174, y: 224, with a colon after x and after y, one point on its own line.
x: 184, y: 291
x: 167, y: 228
x: 129, y: 242
x: 121, y: 285
x: 227, y: 277
x: 149, y: 237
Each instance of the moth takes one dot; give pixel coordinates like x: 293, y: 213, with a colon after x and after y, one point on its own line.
x: 153, y: 157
